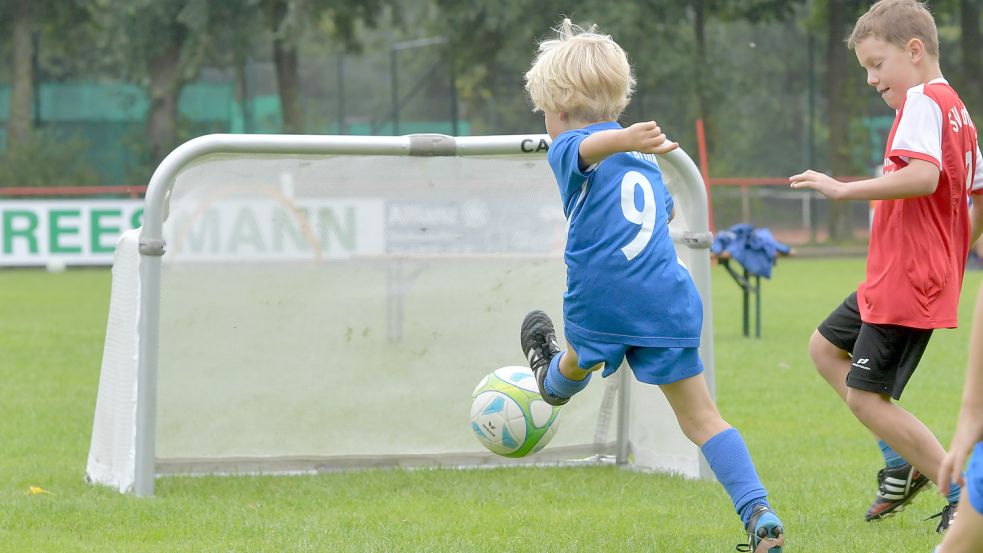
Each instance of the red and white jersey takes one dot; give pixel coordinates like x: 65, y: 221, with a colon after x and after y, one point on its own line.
x: 918, y: 246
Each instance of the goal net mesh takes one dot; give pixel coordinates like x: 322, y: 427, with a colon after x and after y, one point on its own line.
x: 331, y: 312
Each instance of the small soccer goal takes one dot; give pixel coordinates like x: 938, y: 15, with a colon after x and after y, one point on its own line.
x: 295, y: 304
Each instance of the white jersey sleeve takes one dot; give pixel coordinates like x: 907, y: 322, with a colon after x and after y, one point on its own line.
x: 978, y: 177
x: 920, y: 129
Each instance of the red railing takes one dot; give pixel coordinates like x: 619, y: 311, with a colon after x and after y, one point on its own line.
x: 40, y: 191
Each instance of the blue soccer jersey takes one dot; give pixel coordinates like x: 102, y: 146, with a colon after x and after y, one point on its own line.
x: 624, y: 283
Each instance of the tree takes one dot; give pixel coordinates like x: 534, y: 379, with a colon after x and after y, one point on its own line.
x: 971, y: 44
x: 841, y: 107
x: 494, y: 41
x: 753, y: 11
x: 23, y: 25
x: 153, y: 43
x: 161, y: 43
x: 29, y: 22
x: 289, y: 19
x: 33, y: 156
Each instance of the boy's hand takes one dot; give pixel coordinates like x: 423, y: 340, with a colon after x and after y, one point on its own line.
x: 647, y: 138
x: 968, y: 431
x: 824, y: 184
x: 951, y: 469
x: 644, y: 137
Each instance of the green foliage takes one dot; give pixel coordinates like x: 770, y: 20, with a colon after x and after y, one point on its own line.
x: 46, y: 159
x: 749, y: 87
x: 816, y: 460
x: 132, y: 33
x: 750, y: 84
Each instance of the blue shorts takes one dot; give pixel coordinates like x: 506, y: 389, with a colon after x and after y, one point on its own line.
x: 651, y: 365
x: 974, y: 478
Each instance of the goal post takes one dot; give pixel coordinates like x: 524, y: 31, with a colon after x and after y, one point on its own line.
x: 314, y: 303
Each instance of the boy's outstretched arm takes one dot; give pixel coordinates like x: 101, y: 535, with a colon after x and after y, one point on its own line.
x: 969, y: 429
x: 918, y: 178
x: 643, y: 137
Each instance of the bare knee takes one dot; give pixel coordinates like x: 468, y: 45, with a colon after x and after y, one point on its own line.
x: 700, y: 426
x: 864, y: 404
x: 824, y: 354
x: 570, y: 366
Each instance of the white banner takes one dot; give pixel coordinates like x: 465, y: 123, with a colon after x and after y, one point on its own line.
x: 76, y: 232
x: 85, y: 232
x: 261, y: 230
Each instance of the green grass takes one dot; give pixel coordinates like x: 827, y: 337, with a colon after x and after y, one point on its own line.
x: 816, y: 460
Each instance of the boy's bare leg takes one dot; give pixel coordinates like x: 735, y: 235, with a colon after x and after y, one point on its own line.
x: 906, y: 434
x: 728, y: 457
x: 834, y: 365
x: 899, y: 428
x: 831, y: 362
x: 695, y: 411
x: 689, y: 398
x: 966, y: 534
x: 570, y: 368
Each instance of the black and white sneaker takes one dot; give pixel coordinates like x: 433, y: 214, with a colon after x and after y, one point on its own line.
x: 538, y: 340
x: 896, y: 487
x: 947, y: 517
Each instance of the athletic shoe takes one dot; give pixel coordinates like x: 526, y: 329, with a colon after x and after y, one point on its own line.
x: 764, y: 532
x: 538, y: 340
x: 896, y: 487
x: 947, y: 517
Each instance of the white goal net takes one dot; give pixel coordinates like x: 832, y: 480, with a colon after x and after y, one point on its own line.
x: 326, y: 303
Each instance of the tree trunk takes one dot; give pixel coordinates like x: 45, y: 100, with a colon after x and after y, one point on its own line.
x: 288, y: 85
x: 165, y: 86
x: 839, y: 227
x: 972, y: 63
x: 21, y: 119
x: 243, y: 93
x: 287, y: 73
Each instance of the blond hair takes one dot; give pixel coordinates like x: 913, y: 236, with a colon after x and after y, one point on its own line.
x: 581, y: 72
x: 897, y: 22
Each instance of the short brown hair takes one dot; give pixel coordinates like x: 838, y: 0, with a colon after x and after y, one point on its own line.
x: 897, y: 22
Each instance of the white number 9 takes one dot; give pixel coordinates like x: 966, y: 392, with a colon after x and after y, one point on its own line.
x: 645, y: 217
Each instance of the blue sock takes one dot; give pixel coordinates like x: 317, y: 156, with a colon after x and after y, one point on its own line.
x: 953, y: 495
x: 559, y: 385
x: 731, y: 464
x: 891, y: 457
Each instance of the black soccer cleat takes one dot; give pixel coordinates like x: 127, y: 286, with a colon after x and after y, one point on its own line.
x: 947, y: 517
x: 538, y: 339
x: 896, y: 487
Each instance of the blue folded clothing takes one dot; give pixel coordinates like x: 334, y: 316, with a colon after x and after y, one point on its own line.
x: 755, y: 249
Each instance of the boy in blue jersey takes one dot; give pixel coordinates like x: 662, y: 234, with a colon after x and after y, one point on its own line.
x: 627, y: 298
x: 966, y: 533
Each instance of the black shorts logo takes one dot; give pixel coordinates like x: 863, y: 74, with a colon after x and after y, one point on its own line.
x: 861, y: 363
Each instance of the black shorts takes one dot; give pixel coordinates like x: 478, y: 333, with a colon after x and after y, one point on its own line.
x: 883, y: 357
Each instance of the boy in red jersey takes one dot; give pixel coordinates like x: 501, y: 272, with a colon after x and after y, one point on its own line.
x: 869, y: 346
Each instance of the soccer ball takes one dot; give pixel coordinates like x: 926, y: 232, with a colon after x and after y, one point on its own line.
x: 508, y: 416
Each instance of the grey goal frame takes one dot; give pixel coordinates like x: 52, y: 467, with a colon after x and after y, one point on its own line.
x: 691, y: 200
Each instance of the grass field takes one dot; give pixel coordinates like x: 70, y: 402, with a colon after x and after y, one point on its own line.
x: 817, y: 462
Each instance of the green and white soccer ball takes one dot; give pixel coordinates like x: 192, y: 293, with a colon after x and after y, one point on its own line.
x: 508, y: 416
